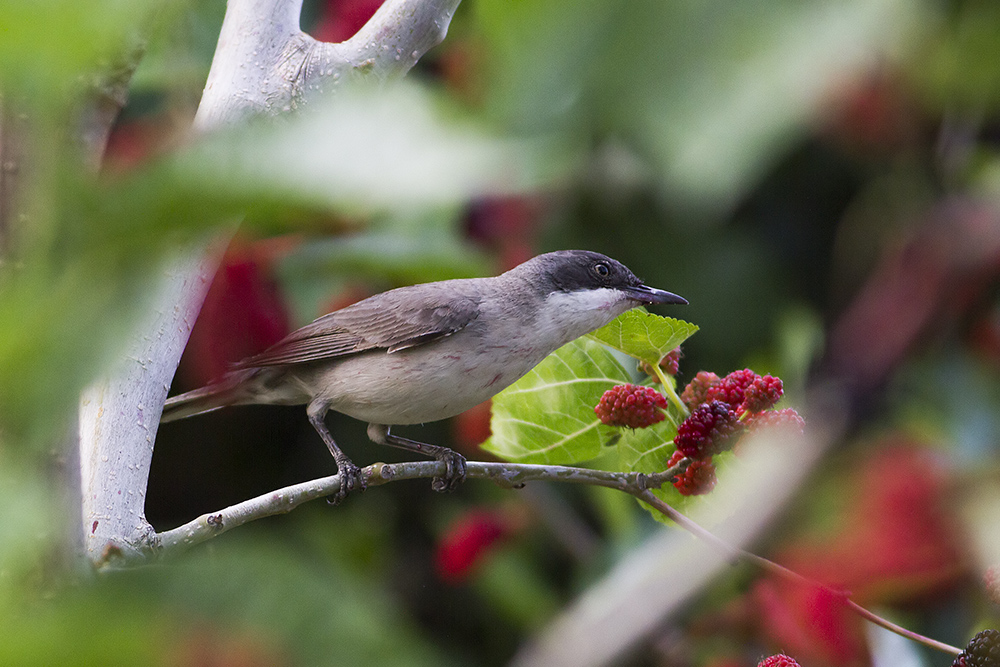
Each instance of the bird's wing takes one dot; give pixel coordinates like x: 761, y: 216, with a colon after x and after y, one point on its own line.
x: 393, y: 321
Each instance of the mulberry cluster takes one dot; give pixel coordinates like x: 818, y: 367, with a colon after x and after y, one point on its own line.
x: 779, y: 660
x: 710, y: 429
x: 722, y: 409
x: 982, y: 651
x: 743, y: 391
x: 697, y: 479
x: 632, y: 406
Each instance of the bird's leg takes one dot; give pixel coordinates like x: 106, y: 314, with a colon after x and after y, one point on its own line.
x: 454, y: 462
x: 350, y: 474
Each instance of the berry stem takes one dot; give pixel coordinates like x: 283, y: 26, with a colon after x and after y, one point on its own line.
x: 735, y: 553
x: 668, y: 389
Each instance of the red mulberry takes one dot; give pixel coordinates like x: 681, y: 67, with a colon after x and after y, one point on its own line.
x: 696, y: 392
x: 732, y: 388
x: 697, y: 479
x: 631, y: 405
x: 762, y: 394
x: 779, y: 660
x: 784, y: 418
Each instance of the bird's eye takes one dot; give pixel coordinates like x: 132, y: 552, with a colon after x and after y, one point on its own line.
x: 602, y: 270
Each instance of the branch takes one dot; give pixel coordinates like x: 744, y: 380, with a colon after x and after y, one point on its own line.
x: 281, y: 501
x: 171, y: 543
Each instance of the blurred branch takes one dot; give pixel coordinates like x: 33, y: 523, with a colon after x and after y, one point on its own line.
x: 269, y: 66
x: 263, y: 64
x: 12, y: 149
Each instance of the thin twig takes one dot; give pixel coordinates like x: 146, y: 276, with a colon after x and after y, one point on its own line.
x: 781, y: 571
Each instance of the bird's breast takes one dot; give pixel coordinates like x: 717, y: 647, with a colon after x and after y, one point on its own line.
x: 424, y: 383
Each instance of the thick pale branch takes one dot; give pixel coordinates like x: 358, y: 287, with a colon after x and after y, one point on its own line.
x: 263, y: 64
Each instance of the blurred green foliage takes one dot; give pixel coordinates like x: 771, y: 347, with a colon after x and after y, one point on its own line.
x: 760, y: 159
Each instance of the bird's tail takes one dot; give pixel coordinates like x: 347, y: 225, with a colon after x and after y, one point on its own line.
x: 229, y: 391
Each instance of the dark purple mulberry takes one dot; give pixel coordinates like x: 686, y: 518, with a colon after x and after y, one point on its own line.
x: 982, y: 651
x: 710, y: 429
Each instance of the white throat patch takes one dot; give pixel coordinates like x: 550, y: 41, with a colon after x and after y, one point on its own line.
x: 574, y: 314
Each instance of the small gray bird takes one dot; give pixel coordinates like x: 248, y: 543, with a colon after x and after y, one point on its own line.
x: 427, y: 352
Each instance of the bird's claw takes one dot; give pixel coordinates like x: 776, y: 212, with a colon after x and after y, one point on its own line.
x: 351, y: 479
x: 454, y: 474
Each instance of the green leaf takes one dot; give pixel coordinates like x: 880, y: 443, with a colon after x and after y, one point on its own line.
x: 548, y: 415
x: 647, y: 449
x: 643, y: 335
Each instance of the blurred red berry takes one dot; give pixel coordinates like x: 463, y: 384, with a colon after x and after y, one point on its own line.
x: 697, y: 479
x: 732, y: 388
x: 467, y: 540
x: 779, y: 660
x: 340, y: 19
x: 507, y: 226
x: 632, y: 406
x: 710, y: 429
x: 243, y: 313
x: 472, y: 427
x: 811, y: 620
x: 696, y: 392
x: 991, y: 582
x: 761, y: 394
x: 785, y: 418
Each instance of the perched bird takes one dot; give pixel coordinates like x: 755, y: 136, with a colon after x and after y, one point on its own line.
x: 427, y: 352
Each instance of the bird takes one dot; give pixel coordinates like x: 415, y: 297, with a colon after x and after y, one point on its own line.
x: 426, y: 352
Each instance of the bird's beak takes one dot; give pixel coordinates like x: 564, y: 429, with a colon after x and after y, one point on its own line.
x: 650, y: 295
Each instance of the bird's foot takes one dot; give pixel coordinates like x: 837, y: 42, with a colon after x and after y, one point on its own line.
x: 351, y: 479
x: 454, y: 473
x: 454, y: 462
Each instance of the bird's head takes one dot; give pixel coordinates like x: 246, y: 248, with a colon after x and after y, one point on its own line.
x: 584, y: 290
